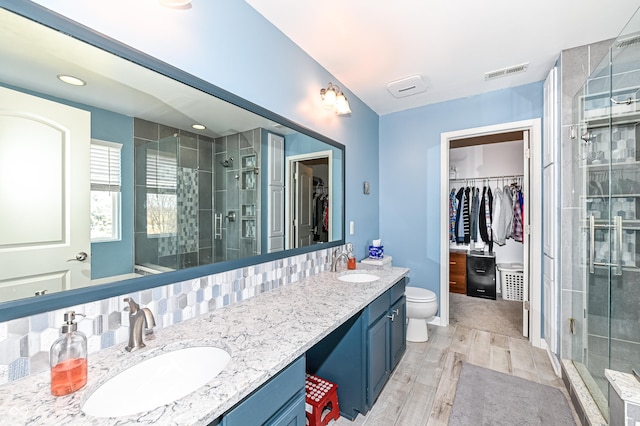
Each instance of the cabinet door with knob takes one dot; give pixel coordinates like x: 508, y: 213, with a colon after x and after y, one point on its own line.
x: 386, y: 338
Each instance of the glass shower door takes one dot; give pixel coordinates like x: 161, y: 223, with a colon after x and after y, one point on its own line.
x: 606, y: 188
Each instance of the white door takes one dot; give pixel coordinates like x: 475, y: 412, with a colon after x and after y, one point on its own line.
x: 304, y: 205
x: 275, y: 197
x: 526, y: 240
x: 44, y: 193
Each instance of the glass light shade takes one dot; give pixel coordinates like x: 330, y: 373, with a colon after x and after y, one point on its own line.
x: 329, y: 98
x: 342, y: 105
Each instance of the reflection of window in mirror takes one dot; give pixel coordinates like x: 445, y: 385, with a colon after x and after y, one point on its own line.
x: 162, y: 198
x: 105, y: 190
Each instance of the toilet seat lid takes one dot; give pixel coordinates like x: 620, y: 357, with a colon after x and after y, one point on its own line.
x: 419, y: 294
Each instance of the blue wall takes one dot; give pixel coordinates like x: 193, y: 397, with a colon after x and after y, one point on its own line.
x: 229, y: 44
x: 410, y: 171
x: 116, y: 257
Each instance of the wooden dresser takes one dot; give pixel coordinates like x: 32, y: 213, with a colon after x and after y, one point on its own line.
x: 457, y: 272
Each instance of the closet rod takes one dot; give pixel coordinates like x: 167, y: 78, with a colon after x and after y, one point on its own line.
x: 487, y: 178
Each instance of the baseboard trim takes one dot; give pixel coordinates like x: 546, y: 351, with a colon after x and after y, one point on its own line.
x: 435, y: 321
x: 555, y: 362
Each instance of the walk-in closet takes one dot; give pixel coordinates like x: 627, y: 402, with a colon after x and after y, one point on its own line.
x: 487, y: 199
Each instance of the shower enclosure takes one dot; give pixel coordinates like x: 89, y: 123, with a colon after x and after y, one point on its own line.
x: 604, y: 240
x: 197, y: 198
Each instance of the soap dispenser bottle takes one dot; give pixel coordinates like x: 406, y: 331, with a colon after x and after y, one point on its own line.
x: 68, y: 358
x: 351, y: 258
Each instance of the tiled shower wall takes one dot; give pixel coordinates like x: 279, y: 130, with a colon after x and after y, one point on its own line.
x: 25, y: 342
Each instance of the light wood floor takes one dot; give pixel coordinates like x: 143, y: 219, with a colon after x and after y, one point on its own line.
x: 421, y: 389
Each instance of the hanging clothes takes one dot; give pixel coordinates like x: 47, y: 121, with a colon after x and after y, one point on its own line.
x: 504, y: 225
x: 325, y: 214
x: 518, y: 231
x: 320, y: 217
x: 488, y: 200
x: 459, y: 217
x: 495, y: 224
x: 466, y: 216
x: 475, y: 207
x: 517, y: 220
x: 482, y: 218
x: 453, y: 210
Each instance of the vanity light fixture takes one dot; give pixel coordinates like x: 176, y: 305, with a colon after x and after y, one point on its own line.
x: 333, y: 98
x: 198, y: 126
x: 69, y: 79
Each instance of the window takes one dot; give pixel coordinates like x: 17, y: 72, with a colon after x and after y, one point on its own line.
x: 162, y: 207
x: 105, y: 191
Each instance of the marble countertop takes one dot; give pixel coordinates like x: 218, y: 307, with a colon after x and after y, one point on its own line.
x: 625, y: 384
x: 263, y: 334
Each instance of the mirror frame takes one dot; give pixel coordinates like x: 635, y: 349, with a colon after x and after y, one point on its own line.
x: 38, y: 304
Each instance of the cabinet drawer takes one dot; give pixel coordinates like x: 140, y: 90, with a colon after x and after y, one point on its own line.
x: 458, y: 277
x: 457, y: 284
x: 457, y: 272
x: 397, y: 291
x: 378, y: 307
x: 257, y: 408
x: 457, y: 262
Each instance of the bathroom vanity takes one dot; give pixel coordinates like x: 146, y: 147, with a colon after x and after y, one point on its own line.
x: 270, y: 338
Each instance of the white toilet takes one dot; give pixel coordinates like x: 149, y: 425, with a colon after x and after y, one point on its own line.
x: 422, y: 306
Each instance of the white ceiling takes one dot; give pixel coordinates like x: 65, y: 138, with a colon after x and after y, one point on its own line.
x: 366, y: 44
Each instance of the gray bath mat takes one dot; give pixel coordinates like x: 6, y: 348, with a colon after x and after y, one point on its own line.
x: 487, y: 397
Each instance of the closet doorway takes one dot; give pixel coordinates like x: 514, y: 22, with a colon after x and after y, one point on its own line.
x: 309, y: 179
x: 475, y: 156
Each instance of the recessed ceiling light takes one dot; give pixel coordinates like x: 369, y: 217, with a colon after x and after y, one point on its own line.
x: 198, y: 126
x: 69, y: 79
x: 176, y: 4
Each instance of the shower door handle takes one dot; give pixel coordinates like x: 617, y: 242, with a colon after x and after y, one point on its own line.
x: 217, y: 226
x: 618, y: 231
x: 592, y: 250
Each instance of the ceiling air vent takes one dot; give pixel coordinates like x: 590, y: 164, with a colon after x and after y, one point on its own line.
x: 626, y: 42
x: 506, y: 71
x: 407, y: 86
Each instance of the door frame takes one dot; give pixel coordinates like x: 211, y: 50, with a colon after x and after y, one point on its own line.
x: 534, y: 127
x: 290, y: 167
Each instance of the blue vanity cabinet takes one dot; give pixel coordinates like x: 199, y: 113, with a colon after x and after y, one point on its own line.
x: 386, y: 338
x: 398, y: 330
x: 279, y: 402
x: 360, y: 355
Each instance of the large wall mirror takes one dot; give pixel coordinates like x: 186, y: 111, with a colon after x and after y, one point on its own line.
x: 122, y: 173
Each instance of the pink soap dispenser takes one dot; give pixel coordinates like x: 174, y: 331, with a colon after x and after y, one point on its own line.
x: 68, y: 358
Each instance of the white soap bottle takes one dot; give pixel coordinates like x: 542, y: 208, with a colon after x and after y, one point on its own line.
x: 68, y: 358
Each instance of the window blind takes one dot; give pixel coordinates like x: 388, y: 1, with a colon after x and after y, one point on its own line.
x: 162, y: 172
x: 105, y: 166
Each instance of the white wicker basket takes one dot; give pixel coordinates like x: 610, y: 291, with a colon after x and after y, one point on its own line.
x: 512, y: 283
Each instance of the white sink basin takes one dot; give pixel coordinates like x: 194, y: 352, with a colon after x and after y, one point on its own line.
x: 156, y: 381
x: 358, y: 278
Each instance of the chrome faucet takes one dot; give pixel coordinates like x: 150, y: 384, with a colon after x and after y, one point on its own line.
x: 336, y: 258
x: 139, y: 319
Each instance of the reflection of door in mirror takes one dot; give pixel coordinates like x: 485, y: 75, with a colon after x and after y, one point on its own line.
x: 303, y: 220
x: 311, y: 208
x: 275, y: 193
x: 44, y: 221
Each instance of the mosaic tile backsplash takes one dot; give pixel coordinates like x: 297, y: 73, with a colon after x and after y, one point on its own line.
x: 25, y: 342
